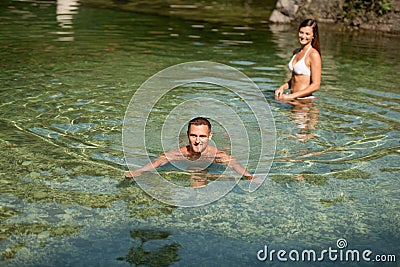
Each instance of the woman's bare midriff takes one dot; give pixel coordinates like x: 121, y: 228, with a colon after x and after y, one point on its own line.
x: 299, y: 83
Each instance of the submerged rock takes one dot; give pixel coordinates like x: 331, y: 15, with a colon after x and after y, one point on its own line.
x: 39, y: 195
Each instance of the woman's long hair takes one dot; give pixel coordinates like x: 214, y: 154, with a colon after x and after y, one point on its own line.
x: 315, y: 42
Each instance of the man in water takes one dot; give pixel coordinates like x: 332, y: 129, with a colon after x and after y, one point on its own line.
x: 198, y: 152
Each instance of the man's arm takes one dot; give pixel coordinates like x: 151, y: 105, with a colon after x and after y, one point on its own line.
x: 235, y: 165
x: 160, y: 161
x: 224, y: 158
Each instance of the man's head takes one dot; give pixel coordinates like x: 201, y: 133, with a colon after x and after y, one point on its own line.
x: 199, y: 121
x: 199, y: 133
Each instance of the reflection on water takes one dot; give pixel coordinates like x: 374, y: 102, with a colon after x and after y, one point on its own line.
x: 65, y: 202
x: 305, y: 114
x: 65, y: 11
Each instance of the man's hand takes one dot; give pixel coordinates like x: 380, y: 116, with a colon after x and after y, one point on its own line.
x: 254, y: 179
x: 133, y: 174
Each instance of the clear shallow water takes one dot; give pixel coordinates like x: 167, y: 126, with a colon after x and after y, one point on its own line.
x: 65, y: 88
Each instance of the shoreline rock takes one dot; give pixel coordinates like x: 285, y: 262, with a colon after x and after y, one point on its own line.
x: 326, y: 11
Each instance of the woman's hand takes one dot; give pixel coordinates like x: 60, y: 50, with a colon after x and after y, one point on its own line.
x: 285, y: 97
x: 279, y: 92
x: 279, y: 95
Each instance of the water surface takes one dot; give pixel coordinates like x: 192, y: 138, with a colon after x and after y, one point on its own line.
x: 66, y: 81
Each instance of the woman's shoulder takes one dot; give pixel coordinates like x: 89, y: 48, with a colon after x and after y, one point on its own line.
x: 314, y: 57
x: 314, y: 53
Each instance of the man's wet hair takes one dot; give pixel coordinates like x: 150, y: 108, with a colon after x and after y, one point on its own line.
x: 200, y: 121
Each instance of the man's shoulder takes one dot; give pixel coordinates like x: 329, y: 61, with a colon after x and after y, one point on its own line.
x: 175, y: 151
x: 221, y: 153
x: 174, y: 154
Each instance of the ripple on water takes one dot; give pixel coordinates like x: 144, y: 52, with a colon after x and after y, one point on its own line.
x: 82, y: 183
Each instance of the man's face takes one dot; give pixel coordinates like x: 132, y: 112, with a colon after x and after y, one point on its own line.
x: 198, y: 135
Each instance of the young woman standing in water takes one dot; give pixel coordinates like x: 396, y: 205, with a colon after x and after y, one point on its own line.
x: 305, y: 65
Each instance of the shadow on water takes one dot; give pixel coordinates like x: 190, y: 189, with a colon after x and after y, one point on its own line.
x: 157, y: 254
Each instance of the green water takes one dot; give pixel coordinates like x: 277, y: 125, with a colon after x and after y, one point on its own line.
x: 65, y: 86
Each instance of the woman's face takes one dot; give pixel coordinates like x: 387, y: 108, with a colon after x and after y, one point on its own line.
x: 306, y: 35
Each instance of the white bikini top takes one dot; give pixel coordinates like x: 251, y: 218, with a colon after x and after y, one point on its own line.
x: 300, y: 68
